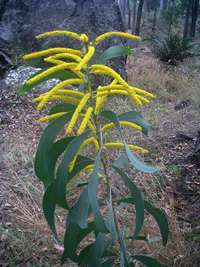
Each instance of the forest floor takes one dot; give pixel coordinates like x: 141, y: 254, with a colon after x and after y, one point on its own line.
x: 173, y: 142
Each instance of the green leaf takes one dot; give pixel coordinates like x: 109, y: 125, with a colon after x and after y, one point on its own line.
x: 148, y: 261
x: 122, y: 162
x: 62, y: 107
x: 111, y: 116
x: 158, y: 215
x: 46, y: 156
x: 79, y: 212
x: 138, y: 164
x: 49, y: 201
x: 123, y: 258
x: 135, y: 117
x: 108, y: 263
x: 92, y: 254
x: 49, y: 207
x: 92, y: 195
x: 62, y: 75
x: 139, y: 202
x: 73, y: 236
x: 114, y: 52
x: 110, y: 222
x: 62, y: 175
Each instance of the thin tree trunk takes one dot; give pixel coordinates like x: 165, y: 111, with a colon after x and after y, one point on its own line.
x: 172, y: 10
x: 129, y: 14
x: 154, y: 20
x: 134, y: 16
x: 195, y: 9
x: 139, y: 16
x: 187, y: 18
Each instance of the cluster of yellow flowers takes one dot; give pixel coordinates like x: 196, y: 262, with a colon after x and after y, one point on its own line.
x: 88, y: 101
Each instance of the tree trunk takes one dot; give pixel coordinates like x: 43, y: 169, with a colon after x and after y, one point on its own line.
x: 154, y: 20
x: 134, y: 16
x: 172, y: 10
x: 139, y: 16
x: 195, y: 9
x: 129, y: 14
x: 187, y: 18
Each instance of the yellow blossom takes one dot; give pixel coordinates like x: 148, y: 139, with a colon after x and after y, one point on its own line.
x: 50, y: 71
x: 102, y: 37
x: 76, y: 113
x: 86, y: 58
x: 121, y: 145
x: 56, y: 88
x: 85, y: 121
x: 73, y: 35
x: 67, y: 99
x: 65, y: 55
x: 84, y: 38
x: 50, y: 51
x: 122, y: 123
x: 51, y: 117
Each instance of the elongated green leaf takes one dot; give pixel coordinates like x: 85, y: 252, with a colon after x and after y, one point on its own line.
x: 158, y: 215
x: 111, y: 116
x: 135, y: 117
x: 110, y: 222
x: 49, y: 200
x: 108, y: 263
x: 123, y: 257
x: 114, y: 52
x: 138, y: 164
x: 62, y: 75
x: 139, y: 202
x: 45, y: 158
x: 122, y: 162
x: 79, y: 213
x: 148, y: 261
x: 62, y: 107
x: 92, y: 195
x: 92, y: 254
x: 49, y: 207
x: 62, y: 174
x: 73, y: 236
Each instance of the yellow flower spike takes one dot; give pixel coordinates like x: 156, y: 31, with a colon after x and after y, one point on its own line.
x: 76, y: 113
x: 143, y: 92
x: 122, y: 123
x: 60, y: 92
x: 102, y: 37
x: 88, y: 168
x: 99, y: 102
x: 143, y: 99
x: 56, y: 88
x: 121, y: 145
x: 73, y: 35
x: 49, y: 71
x: 113, y: 92
x: 86, y: 58
x: 90, y: 124
x: 105, y: 70
x: 51, y: 117
x: 54, y: 61
x: 67, y: 56
x: 84, y: 38
x: 85, y: 121
x: 50, y: 51
x: 67, y: 99
x: 85, y: 143
x: 135, y: 99
x: 91, y: 140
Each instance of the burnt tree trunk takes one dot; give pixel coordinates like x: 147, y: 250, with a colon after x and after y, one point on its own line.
x: 187, y: 19
x: 139, y: 16
x: 195, y: 12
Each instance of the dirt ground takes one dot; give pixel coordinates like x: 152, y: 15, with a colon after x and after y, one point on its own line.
x: 174, y: 145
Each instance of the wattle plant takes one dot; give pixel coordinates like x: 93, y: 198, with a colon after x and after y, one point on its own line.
x: 74, y: 152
